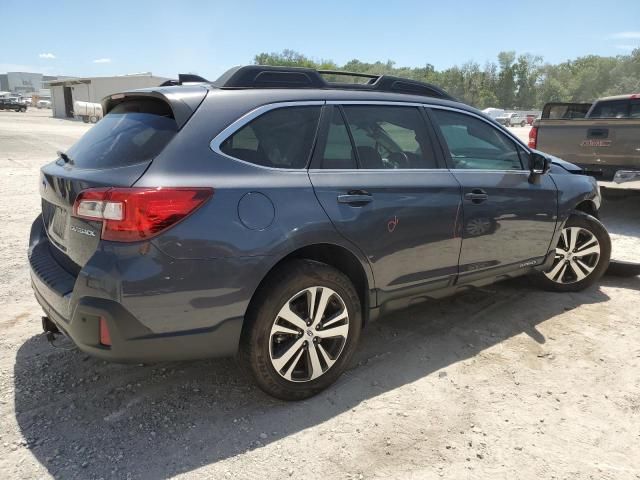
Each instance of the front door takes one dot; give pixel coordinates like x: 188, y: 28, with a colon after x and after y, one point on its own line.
x: 376, y: 175
x: 508, y: 222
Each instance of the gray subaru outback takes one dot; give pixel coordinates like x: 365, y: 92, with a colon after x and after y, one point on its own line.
x: 274, y: 213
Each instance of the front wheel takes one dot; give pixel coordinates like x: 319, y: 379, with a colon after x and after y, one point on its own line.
x: 581, y: 255
x: 302, y: 329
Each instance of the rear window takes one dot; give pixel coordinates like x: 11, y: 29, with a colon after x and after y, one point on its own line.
x: 280, y: 138
x: 134, y: 131
x: 611, y: 109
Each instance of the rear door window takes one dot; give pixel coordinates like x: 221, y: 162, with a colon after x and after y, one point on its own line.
x: 134, y: 131
x: 390, y: 137
x: 280, y: 138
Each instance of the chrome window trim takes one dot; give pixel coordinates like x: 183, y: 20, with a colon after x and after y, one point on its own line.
x: 248, y: 117
x: 236, y: 125
x: 380, y: 170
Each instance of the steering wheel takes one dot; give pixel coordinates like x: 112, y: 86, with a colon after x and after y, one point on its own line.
x: 400, y: 159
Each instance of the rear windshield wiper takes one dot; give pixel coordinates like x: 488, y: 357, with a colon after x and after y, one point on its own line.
x: 66, y: 158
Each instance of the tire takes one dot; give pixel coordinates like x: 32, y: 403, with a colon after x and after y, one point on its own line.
x: 523, y: 123
x: 85, y: 119
x: 264, y: 348
x: 93, y: 119
x: 568, y: 268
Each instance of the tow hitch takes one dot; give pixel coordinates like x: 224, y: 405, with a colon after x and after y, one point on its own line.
x: 51, y: 331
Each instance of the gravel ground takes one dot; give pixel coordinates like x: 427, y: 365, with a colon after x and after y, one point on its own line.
x: 505, y: 382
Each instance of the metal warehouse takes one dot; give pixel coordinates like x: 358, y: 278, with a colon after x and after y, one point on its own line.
x: 94, y: 89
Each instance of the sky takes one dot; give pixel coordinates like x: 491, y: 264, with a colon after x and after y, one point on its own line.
x: 101, y: 38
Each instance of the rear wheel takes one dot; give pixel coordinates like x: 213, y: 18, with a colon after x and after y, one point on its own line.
x: 302, y: 330
x: 523, y: 123
x: 581, y: 255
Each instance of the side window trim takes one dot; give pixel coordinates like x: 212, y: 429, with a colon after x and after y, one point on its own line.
x: 445, y: 148
x: 216, y: 143
x: 353, y: 143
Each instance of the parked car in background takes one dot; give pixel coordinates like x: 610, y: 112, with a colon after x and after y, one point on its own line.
x: 12, y: 104
x: 275, y: 223
x: 512, y: 120
x: 603, y: 138
x: 43, y: 104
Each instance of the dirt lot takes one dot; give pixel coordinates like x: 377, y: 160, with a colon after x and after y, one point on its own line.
x: 507, y: 382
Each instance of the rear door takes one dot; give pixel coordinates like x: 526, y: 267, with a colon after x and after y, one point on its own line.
x: 508, y: 222
x: 377, y: 177
x: 113, y: 153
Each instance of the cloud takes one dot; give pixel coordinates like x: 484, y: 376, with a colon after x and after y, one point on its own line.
x: 48, y: 56
x: 626, y: 47
x: 626, y: 35
x: 102, y: 60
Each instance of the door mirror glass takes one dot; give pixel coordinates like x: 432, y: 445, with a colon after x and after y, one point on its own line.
x: 539, y: 164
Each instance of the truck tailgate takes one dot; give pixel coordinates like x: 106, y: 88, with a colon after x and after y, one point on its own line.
x: 601, y: 146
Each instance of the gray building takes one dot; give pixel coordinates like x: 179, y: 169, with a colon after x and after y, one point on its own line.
x: 94, y: 89
x: 26, y: 83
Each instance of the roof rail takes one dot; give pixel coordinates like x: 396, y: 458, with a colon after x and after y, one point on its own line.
x: 267, y: 76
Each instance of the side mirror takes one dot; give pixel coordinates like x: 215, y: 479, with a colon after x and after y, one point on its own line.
x: 539, y: 164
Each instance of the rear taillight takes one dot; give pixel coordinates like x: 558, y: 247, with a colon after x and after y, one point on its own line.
x: 131, y: 214
x: 533, y: 137
x: 105, y: 336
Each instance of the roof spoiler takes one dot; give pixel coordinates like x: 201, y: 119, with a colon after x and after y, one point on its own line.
x: 185, y: 79
x: 183, y: 101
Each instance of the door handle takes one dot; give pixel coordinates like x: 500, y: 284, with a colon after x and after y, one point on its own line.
x: 356, y: 198
x: 476, y: 196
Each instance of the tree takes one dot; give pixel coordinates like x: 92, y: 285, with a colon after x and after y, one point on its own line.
x: 521, y: 81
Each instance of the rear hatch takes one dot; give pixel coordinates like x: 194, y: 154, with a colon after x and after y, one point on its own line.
x: 114, y: 153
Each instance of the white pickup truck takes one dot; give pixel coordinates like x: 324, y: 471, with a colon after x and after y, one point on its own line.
x: 512, y: 119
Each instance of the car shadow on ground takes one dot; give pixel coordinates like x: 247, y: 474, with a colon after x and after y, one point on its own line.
x: 86, y: 418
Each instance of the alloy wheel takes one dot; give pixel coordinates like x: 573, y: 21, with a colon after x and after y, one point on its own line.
x: 577, y: 256
x: 308, y: 334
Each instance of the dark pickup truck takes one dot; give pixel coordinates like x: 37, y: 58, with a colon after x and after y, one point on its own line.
x: 603, y: 138
x: 12, y: 104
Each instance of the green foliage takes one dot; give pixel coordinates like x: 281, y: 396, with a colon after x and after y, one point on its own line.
x: 514, y: 81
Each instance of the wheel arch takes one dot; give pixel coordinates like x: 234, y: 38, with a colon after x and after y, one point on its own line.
x: 588, y: 207
x: 339, y: 257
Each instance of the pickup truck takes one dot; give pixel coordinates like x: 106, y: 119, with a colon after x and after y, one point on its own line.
x: 603, y: 138
x: 12, y: 104
x: 512, y: 119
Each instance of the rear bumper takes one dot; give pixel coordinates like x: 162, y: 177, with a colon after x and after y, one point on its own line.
x: 614, y: 176
x: 623, y: 180
x: 146, y: 322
